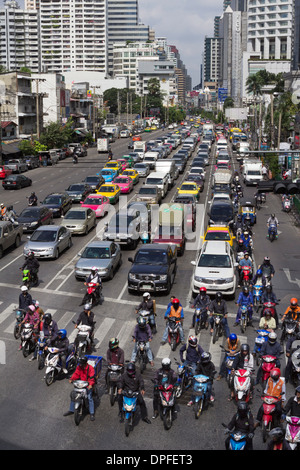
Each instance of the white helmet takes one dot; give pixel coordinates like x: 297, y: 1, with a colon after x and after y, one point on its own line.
x: 24, y: 288
x: 146, y: 294
x: 166, y: 363
x: 87, y: 306
x: 94, y: 268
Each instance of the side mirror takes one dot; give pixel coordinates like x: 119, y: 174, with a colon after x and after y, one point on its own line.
x: 193, y: 263
x: 130, y: 259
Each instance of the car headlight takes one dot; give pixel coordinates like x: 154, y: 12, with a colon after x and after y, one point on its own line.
x: 228, y: 280
x: 163, y: 277
x: 132, y: 277
x: 33, y: 224
x: 198, y: 278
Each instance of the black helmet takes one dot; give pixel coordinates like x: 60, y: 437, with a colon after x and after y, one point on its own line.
x: 82, y: 361
x: 276, y: 434
x: 245, y: 348
x: 141, y: 322
x: 130, y: 368
x: 246, y: 289
x: 219, y: 296
x: 113, y: 344
x: 242, y: 408
x: 47, y: 318
x: 205, y: 357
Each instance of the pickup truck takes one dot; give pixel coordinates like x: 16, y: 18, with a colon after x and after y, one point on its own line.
x: 17, y: 166
x: 153, y: 268
x: 9, y: 235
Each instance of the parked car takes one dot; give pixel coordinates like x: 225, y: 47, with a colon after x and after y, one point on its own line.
x: 78, y: 191
x: 10, y: 235
x: 105, y: 255
x: 33, y: 217
x: 48, y: 241
x: 17, y: 165
x: 32, y: 161
x: 4, y: 172
x: 79, y: 220
x: 58, y: 203
x: 16, y: 182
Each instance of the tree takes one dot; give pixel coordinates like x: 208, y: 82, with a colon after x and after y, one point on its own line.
x: 56, y: 135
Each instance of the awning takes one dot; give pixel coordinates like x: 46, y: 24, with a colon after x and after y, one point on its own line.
x: 10, y: 149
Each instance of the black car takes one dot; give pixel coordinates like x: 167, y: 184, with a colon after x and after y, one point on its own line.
x: 78, y: 191
x: 32, y: 217
x: 58, y: 203
x: 221, y: 212
x: 153, y: 268
x: 94, y: 182
x: 16, y: 182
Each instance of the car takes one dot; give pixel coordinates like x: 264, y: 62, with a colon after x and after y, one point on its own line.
x: 48, y: 241
x: 115, y: 165
x: 221, y: 212
x: 78, y: 191
x: 173, y: 218
x: 125, y: 133
x: 111, y: 191
x: 16, y: 182
x: 104, y: 255
x: 33, y: 217
x: 10, y: 235
x: 189, y: 187
x: 108, y: 174
x: 4, y: 172
x: 198, y: 179
x: 79, y: 220
x: 125, y: 183
x: 143, y: 169
x: 130, y: 160
x: 149, y: 193
x: 124, y: 163
x: 58, y: 203
x: 215, y: 269
x: 153, y: 268
x: 32, y: 161
x: 94, y: 181
x: 132, y: 173
x: 98, y: 203
x: 123, y: 229
x: 219, y: 233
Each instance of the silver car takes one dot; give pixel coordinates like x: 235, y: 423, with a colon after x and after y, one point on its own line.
x: 143, y: 169
x: 104, y: 255
x: 80, y: 220
x: 48, y: 241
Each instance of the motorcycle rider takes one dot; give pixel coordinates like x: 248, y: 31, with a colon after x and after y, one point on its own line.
x: 289, y: 352
x: 31, y: 317
x: 275, y: 387
x: 150, y: 306
x: 292, y: 313
x: 247, y: 241
x: 50, y: 330
x: 132, y: 380
x: 293, y: 404
x: 246, y: 261
x: 202, y: 301
x: 86, y: 317
x: 84, y: 371
x: 271, y: 347
x: 244, y: 360
x: 267, y: 322
x: 32, y: 200
x: 269, y: 296
x: 242, y: 421
x: 164, y: 374
x: 25, y: 298
x: 193, y: 353
x: 142, y: 332
x: 272, y: 220
x: 232, y: 346
x: 267, y: 269
x: 207, y: 367
x: 114, y: 355
x: 258, y: 279
x: 94, y: 278
x: 11, y: 215
x: 62, y: 343
x: 32, y: 264
x: 245, y: 298
x: 2, y: 211
x: 175, y: 311
x: 277, y: 440
x: 218, y: 306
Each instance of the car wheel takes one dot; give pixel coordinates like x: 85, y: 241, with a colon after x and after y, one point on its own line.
x: 56, y: 256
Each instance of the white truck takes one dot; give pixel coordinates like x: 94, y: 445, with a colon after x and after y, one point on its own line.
x: 252, y: 172
x: 103, y: 145
x: 140, y: 147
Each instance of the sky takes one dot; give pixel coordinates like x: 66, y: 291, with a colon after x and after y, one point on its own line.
x: 184, y: 23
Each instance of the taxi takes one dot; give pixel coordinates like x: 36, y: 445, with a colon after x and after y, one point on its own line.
x: 125, y: 183
x: 99, y: 204
x: 132, y: 173
x: 129, y: 160
x: 153, y: 128
x: 147, y: 129
x: 189, y: 187
x: 115, y: 165
x: 123, y: 163
x: 219, y: 233
x: 111, y: 190
x: 108, y: 174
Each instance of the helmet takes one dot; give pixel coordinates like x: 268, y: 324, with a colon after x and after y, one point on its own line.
x: 193, y: 341
x: 242, y: 408
x: 87, y: 306
x: 113, y: 343
x: 36, y: 303
x: 267, y: 260
x: 130, y: 368
x: 62, y: 333
x: 31, y: 308
x: 82, y: 361
x: 246, y: 289
x: 205, y: 357
x: 146, y: 294
x: 94, y: 269
x: 245, y: 348
x: 273, y: 216
x: 175, y: 303
x: 166, y: 363
x: 268, y: 311
x: 276, y: 434
x: 259, y: 272
x: 269, y: 288
x: 275, y: 373
x: 219, y: 296
x: 24, y: 288
x: 272, y: 337
x: 294, y: 302
x: 47, y: 318
x: 240, y: 242
x: 233, y: 338
x: 297, y: 389
x: 202, y: 290
x: 141, y: 322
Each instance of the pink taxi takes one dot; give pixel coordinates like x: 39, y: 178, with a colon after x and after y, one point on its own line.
x: 123, y: 163
x: 98, y: 203
x: 125, y: 183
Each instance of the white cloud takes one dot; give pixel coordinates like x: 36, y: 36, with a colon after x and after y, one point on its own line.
x: 184, y: 23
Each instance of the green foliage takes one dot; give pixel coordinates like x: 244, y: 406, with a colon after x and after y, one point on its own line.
x: 56, y: 135
x: 26, y: 147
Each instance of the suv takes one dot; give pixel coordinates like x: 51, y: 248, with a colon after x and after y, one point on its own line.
x: 215, y: 269
x: 9, y: 235
x: 149, y: 193
x: 153, y: 268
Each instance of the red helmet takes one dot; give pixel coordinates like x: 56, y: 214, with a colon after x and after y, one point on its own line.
x: 275, y: 373
x: 203, y: 290
x: 175, y: 302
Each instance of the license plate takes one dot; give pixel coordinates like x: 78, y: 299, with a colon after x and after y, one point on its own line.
x: 146, y: 286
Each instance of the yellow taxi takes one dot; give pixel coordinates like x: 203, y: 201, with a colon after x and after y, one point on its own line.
x: 132, y: 173
x: 219, y: 233
x: 114, y: 165
x: 153, y: 128
x: 189, y: 187
x: 147, y: 129
x: 111, y: 191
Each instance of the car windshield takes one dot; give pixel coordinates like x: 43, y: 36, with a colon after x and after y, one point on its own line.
x: 93, y: 201
x: 217, y: 236
x: 188, y: 187
x: 111, y: 165
x: 52, y: 200
x: 44, y: 236
x: 154, y: 181
x: 151, y: 257
x: 170, y: 231
x: 106, y: 172
x: 29, y: 213
x: 76, y: 187
x: 214, y: 261
x: 120, y: 221
x: 140, y: 165
x: 96, y: 252
x: 91, y: 179
x: 222, y: 212
x: 121, y: 180
x: 147, y: 191
x: 75, y: 215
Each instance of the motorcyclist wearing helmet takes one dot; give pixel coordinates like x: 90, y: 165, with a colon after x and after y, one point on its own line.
x: 272, y: 220
x: 271, y: 347
x: 62, y: 343
x: 164, y: 374
x: 218, y: 306
x: 207, y: 367
x: 25, y: 298
x: 175, y: 311
x: 114, y: 355
x: 292, y: 345
x: 32, y: 264
x: 232, y: 347
x: 293, y: 404
x: 277, y: 441
x: 245, y: 298
x: 247, y: 241
x: 32, y: 200
x: 269, y: 296
x: 267, y: 268
x: 258, y: 279
x: 293, y: 311
x: 193, y: 353
x: 132, y: 380
x: 50, y: 330
x: 149, y: 305
x: 86, y: 317
x: 84, y: 371
x: 244, y: 262
x: 244, y: 360
x: 275, y: 387
x: 31, y: 317
x: 142, y: 332
x: 95, y: 278
x: 202, y: 301
x: 242, y: 421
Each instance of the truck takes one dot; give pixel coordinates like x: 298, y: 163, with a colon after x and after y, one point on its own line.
x: 111, y: 131
x: 17, y: 165
x: 252, y: 172
x: 103, y: 145
x: 10, y: 235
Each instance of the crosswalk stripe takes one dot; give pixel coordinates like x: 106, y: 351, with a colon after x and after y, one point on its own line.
x: 7, y: 312
x: 103, y: 329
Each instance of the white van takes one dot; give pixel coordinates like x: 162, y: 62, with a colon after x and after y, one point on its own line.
x: 168, y: 165
x: 160, y: 179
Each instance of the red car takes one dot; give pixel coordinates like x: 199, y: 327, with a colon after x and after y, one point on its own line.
x: 4, y: 172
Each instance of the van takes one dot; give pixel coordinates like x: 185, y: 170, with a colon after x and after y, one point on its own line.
x: 170, y: 227
x: 48, y: 157
x: 169, y: 166
x: 160, y: 179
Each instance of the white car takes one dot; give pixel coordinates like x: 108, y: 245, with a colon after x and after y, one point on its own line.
x: 215, y: 269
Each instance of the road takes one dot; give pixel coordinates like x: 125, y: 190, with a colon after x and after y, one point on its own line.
x: 32, y: 413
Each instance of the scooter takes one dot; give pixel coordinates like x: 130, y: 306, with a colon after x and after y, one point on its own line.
x: 218, y: 329
x: 257, y: 291
x: 184, y: 379
x: 141, y: 356
x: 91, y: 296
x: 129, y: 409
x: 200, y: 394
x: 200, y: 319
x: 80, y: 398
x: 244, y: 316
x: 242, y: 385
x: 20, y: 314
x: 166, y: 403
x: 262, y: 336
x: 83, y: 341
x: 272, y: 307
x: 269, y: 406
x: 41, y: 343
x: 295, y: 372
x: 238, y: 439
x: 29, y: 339
x: 173, y: 333
x: 292, y: 432
x: 246, y: 275
x: 147, y: 315
x: 53, y: 363
x: 272, y: 232
x: 114, y: 372
x: 268, y: 363
x: 288, y: 329
x: 286, y: 204
x: 229, y: 359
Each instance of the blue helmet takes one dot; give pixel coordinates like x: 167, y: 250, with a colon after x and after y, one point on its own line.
x: 62, y: 333
x: 232, y: 338
x: 259, y: 272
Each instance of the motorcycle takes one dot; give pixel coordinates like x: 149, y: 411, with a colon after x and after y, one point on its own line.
x: 173, y: 333
x: 218, y: 329
x: 244, y: 316
x: 147, y: 314
x: 263, y: 197
x: 269, y: 406
x: 20, y: 314
x: 80, y: 399
x: 114, y: 372
x: 92, y: 295
x: 29, y: 339
x: 53, y: 363
x: 295, y: 372
x: 272, y: 232
x: 129, y: 409
x: 26, y: 278
x: 288, y: 329
x: 31, y: 202
x: 200, y: 394
x: 141, y: 356
x: 75, y: 159
x: 246, y: 275
x: 166, y: 403
x: 292, y: 432
x: 268, y: 363
x: 184, y: 379
x: 83, y: 341
x: 238, y: 439
x: 200, y: 319
x: 41, y: 343
x: 242, y: 385
x: 270, y: 306
x: 229, y: 359
x: 262, y: 336
x: 286, y: 204
x: 257, y: 291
